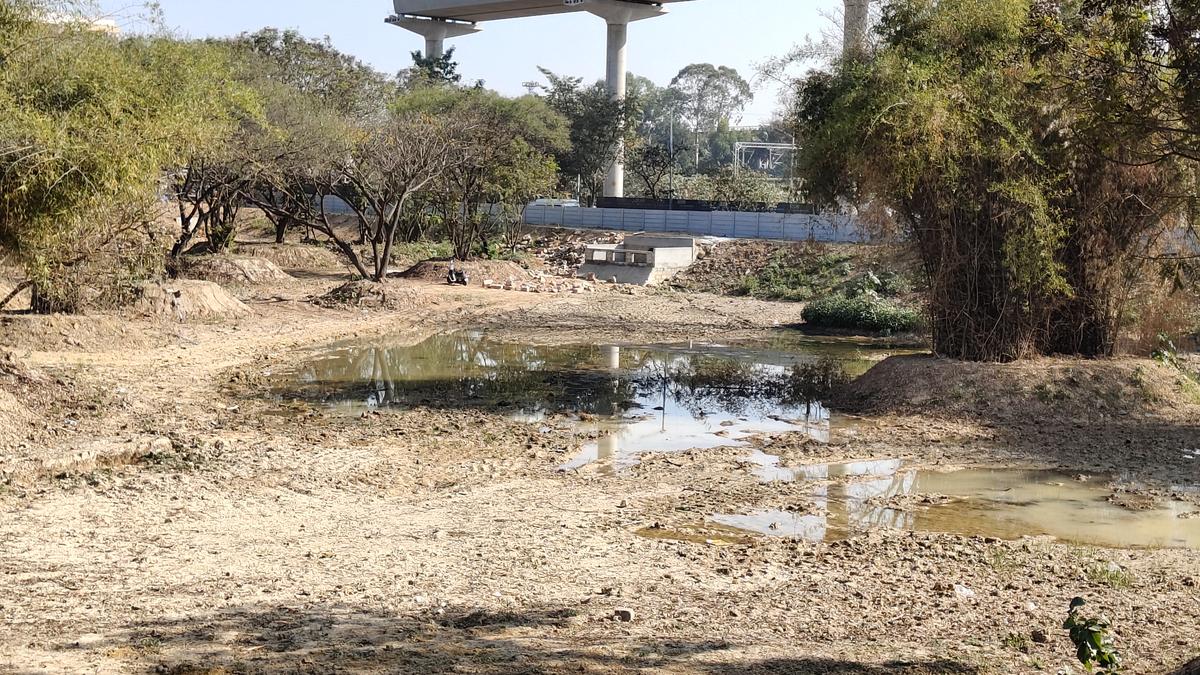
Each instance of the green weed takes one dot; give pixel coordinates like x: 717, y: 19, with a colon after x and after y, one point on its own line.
x: 1105, y: 573
x: 1018, y: 642
x: 863, y: 312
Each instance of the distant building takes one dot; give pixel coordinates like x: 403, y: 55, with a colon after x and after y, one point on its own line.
x: 106, y: 26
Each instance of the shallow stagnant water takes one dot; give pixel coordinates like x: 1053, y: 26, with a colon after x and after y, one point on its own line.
x: 624, y: 401
x: 627, y: 399
x: 1008, y: 504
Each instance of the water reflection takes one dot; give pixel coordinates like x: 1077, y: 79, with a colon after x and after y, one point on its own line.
x: 631, y: 399
x: 860, y: 496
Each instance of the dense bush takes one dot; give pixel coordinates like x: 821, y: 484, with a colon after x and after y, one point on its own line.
x: 866, y: 311
x: 799, y: 277
x: 1036, y: 153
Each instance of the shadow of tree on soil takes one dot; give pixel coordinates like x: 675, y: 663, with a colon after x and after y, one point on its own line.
x: 530, y: 641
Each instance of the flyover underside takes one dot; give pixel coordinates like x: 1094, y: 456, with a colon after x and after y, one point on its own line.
x: 476, y: 11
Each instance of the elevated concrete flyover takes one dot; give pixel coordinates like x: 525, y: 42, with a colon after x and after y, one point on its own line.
x: 438, y: 20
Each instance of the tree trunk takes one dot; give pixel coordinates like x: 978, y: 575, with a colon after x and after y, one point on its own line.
x: 976, y: 313
x: 42, y: 303
x: 15, y: 292
x: 350, y: 254
x: 282, y: 223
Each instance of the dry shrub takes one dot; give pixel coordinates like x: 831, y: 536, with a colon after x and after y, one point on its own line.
x: 1161, y: 311
x: 102, y: 267
x: 371, y: 295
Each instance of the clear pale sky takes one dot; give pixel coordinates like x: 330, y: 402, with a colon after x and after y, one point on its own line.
x: 738, y: 33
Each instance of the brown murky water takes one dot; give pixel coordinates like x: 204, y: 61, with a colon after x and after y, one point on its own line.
x: 1003, y: 503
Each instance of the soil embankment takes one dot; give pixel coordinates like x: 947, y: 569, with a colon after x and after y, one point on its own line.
x: 184, y: 521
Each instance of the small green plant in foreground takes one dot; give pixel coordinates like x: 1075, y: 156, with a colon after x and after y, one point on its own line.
x: 866, y: 311
x: 1108, y: 574
x: 1018, y: 642
x: 1093, y: 645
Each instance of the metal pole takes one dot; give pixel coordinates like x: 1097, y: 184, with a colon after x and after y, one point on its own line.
x: 671, y: 199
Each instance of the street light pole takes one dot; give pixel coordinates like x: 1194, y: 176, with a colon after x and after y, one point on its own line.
x: 671, y: 199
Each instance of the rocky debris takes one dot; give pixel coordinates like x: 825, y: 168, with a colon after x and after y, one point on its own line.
x: 722, y: 266
x: 1134, y: 502
x: 957, y: 590
x: 184, y: 300
x: 541, y: 283
x: 910, y: 502
x: 562, y: 251
x: 623, y: 614
x: 436, y: 271
x: 371, y: 295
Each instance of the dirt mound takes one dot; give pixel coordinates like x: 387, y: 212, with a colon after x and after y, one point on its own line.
x: 188, y: 301
x: 370, y: 295
x: 722, y: 268
x: 1062, y: 386
x: 67, y: 332
x: 12, y: 413
x: 15, y: 383
x: 294, y: 256
x: 225, y: 269
x: 478, y: 270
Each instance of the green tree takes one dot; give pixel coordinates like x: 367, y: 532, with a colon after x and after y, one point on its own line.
x: 87, y: 124
x: 529, y: 174
x: 310, y: 89
x: 433, y: 69
x: 734, y: 190
x: 597, y: 127
x: 317, y: 69
x: 653, y: 165
x: 997, y: 133
x: 503, y: 153
x: 709, y: 96
x: 209, y: 178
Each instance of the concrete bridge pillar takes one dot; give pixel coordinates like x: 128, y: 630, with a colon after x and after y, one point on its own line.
x: 856, y: 23
x: 618, y: 14
x: 435, y: 31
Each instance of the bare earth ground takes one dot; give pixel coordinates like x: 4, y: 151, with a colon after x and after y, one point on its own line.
x: 160, y: 516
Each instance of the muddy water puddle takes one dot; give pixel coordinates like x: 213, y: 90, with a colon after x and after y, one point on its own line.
x: 860, y: 496
x: 622, y: 401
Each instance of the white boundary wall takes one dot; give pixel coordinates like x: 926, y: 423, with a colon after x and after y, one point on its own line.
x: 739, y: 225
